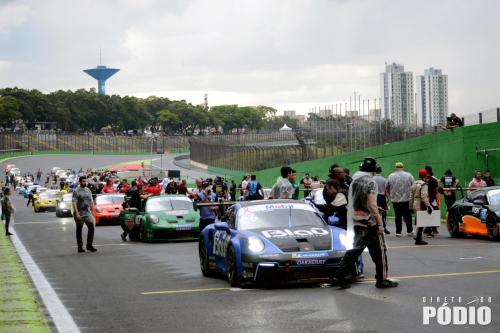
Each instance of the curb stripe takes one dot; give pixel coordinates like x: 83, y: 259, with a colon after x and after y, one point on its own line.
x: 58, y: 312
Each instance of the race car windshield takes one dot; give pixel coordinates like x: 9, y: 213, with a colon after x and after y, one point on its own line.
x: 159, y: 205
x: 48, y: 196
x: 494, y: 198
x: 277, y: 218
x: 109, y: 200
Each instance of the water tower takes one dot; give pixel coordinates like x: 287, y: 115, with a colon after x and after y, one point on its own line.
x: 101, y: 74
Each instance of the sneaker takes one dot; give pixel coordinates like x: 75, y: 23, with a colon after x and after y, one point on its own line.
x: 420, y: 242
x: 398, y: 235
x: 91, y: 248
x: 124, y: 238
x: 386, y: 284
x: 410, y: 234
x: 386, y: 231
x: 81, y: 250
x: 8, y: 234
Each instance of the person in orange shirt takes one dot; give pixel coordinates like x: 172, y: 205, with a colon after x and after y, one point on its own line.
x: 109, y: 187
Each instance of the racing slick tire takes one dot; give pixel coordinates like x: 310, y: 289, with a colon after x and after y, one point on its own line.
x: 234, y: 280
x: 36, y: 210
x: 492, y: 225
x: 134, y: 236
x: 453, y: 225
x: 204, y: 261
x: 58, y: 214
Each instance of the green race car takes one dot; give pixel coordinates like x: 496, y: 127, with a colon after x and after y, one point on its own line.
x: 165, y: 218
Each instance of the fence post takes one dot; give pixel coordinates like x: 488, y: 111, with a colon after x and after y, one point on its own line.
x: 498, y: 114
x: 480, y: 118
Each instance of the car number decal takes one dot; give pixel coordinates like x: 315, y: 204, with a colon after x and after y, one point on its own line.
x: 475, y: 210
x: 221, y: 241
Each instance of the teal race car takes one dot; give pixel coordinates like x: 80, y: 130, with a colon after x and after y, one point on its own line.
x: 164, y: 218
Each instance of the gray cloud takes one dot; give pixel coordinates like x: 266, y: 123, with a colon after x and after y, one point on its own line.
x: 284, y: 53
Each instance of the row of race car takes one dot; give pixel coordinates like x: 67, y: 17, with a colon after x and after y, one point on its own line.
x: 262, y: 241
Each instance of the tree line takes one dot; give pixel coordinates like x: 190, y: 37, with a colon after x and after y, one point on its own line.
x: 86, y: 110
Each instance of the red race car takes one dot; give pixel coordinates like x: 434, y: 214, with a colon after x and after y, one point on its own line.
x: 108, y: 207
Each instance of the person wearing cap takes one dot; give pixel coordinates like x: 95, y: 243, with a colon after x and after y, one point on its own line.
x: 419, y: 201
x: 364, y: 217
x: 398, y: 186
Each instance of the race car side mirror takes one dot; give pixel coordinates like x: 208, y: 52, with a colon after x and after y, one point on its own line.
x: 222, y: 226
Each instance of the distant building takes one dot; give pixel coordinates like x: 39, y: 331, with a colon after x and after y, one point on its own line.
x: 292, y: 114
x: 352, y: 114
x: 396, y: 89
x: 375, y: 115
x: 432, y: 98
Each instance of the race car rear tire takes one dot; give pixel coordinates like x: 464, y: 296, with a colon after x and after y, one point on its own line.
x: 204, y: 261
x: 234, y: 280
x: 453, y: 225
x: 492, y: 225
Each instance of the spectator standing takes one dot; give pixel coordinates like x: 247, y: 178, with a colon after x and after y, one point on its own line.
x: 419, y: 201
x: 283, y: 189
x: 434, y: 197
x: 477, y: 181
x: 182, y: 187
x: 207, y: 213
x: 398, y: 186
x: 368, y: 227
x: 487, y: 178
x: 254, y: 189
x: 295, y: 184
x: 39, y: 175
x: 109, y: 188
x: 83, y: 205
x: 244, y: 184
x: 382, y: 199
x: 7, y: 209
x: 306, y: 181
x: 232, y: 190
x: 449, y: 181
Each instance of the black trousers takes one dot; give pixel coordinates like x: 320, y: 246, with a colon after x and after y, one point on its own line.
x: 89, y: 221
x: 402, y: 212
x: 366, y: 237
x: 205, y: 222
x: 30, y: 200
x: 7, y: 222
x: 382, y: 203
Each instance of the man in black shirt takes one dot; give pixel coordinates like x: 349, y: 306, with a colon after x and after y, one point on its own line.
x: 487, y: 178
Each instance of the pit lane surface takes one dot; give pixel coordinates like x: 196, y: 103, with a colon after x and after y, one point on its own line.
x: 137, y: 287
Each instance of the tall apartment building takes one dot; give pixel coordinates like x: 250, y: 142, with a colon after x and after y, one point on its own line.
x: 432, y: 98
x: 396, y: 90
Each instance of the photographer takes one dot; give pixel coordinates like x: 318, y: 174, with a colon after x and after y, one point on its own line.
x: 207, y: 213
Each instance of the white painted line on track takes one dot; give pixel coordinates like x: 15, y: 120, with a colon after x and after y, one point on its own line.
x: 60, y: 315
x: 112, y: 244
x: 39, y: 222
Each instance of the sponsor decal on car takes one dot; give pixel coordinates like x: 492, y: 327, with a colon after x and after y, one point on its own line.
x: 303, y: 255
x: 304, y: 262
x: 287, y: 233
x: 261, y: 208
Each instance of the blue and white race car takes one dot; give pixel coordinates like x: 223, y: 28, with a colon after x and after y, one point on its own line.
x: 272, y: 241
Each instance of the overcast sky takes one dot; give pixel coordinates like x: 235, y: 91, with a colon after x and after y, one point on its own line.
x: 284, y: 53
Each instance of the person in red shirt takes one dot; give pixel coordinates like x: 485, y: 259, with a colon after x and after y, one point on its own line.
x: 154, y: 188
x: 109, y: 187
x: 125, y: 187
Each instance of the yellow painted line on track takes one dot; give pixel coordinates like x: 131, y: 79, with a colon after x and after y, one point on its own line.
x: 423, y: 276
x: 163, y: 292
x: 439, y: 245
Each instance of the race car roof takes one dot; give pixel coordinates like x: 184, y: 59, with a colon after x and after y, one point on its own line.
x: 271, y: 201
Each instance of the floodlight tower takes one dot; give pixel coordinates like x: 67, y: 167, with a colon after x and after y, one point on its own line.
x: 101, y: 74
